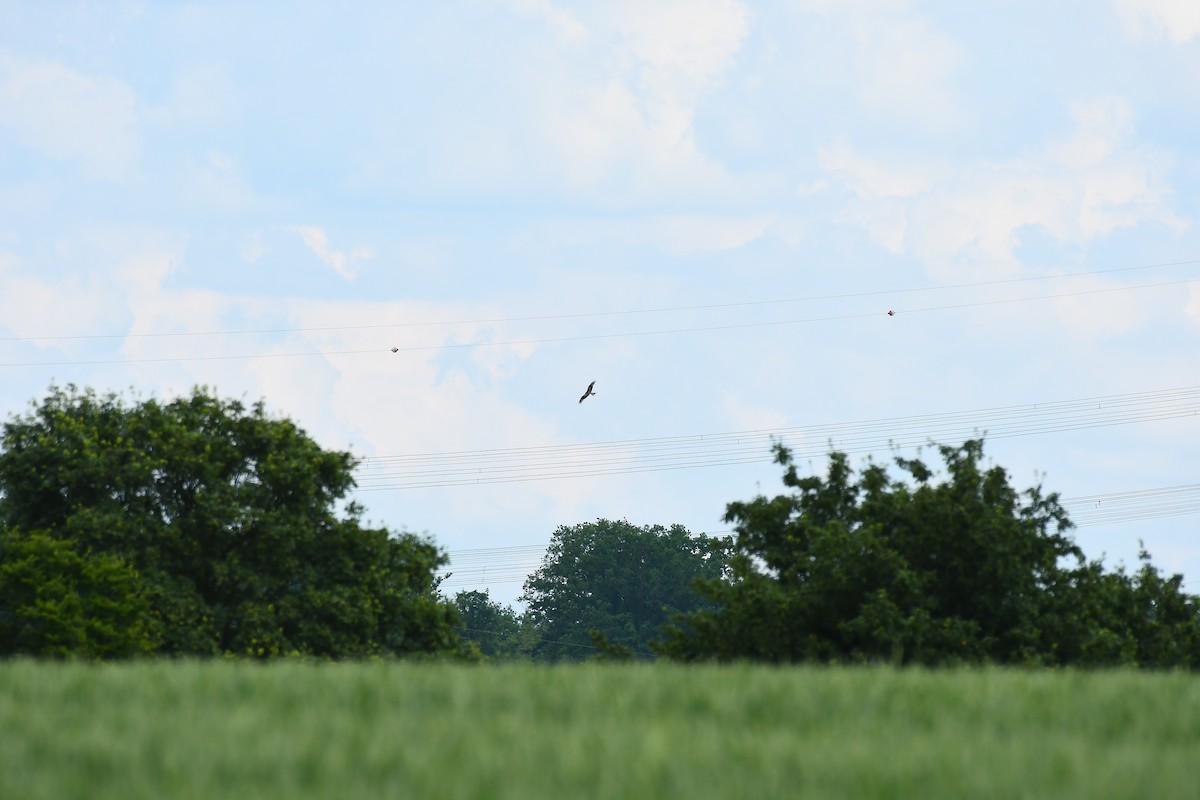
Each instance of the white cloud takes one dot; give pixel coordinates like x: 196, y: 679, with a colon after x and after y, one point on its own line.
x: 254, y: 248
x: 674, y: 234
x: 39, y: 300
x: 885, y: 187
x: 143, y: 269
x: 679, y: 48
x: 67, y: 115
x: 632, y: 119
x: 904, y: 67
x: 69, y: 306
x: 873, y: 178
x: 1089, y: 319
x: 214, y: 182
x: 746, y: 417
x: 28, y: 200
x: 688, y: 235
x: 500, y: 362
x: 1077, y: 188
x: 855, y: 6
x: 565, y: 25
x: 345, y: 264
x: 1177, y: 20
x: 1192, y: 309
x: 308, y: 384
x: 388, y: 403
x: 810, y: 188
x: 195, y: 98
x: 602, y: 109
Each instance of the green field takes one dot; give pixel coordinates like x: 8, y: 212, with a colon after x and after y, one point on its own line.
x: 298, y: 730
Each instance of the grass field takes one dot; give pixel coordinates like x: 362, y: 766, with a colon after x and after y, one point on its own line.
x: 296, y: 730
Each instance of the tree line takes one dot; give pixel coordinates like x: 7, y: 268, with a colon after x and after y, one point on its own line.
x: 206, y: 527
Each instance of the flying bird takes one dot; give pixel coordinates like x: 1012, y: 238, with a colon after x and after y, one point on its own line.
x: 395, y: 349
x: 589, y: 392
x: 891, y: 313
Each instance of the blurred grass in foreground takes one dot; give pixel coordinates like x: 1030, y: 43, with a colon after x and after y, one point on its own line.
x: 365, y: 730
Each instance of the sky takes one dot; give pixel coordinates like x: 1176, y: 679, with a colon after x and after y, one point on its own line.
x: 708, y: 207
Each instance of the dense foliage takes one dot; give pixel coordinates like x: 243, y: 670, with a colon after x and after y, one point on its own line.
x: 618, y: 579
x: 55, y: 601
x: 965, y: 569
x: 201, y: 526
x: 493, y: 629
x: 210, y: 527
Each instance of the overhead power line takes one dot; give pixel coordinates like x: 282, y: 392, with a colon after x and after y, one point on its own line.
x: 552, y: 462
x: 592, y: 314
x: 586, y: 337
x: 498, y: 565
x: 490, y: 565
x: 1139, y: 504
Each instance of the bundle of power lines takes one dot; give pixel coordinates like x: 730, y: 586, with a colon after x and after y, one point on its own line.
x: 494, y: 565
x: 548, y: 462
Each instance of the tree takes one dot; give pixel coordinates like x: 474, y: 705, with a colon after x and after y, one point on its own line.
x: 618, y: 579
x: 962, y: 570
x: 229, y: 518
x: 492, y: 628
x: 56, y: 602
x: 1121, y: 619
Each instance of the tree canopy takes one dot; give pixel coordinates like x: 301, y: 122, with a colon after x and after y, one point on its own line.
x: 621, y: 580
x: 868, y: 567
x: 223, y: 518
x: 56, y: 602
x: 495, y: 630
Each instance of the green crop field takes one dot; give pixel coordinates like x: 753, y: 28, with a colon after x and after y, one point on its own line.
x: 364, y: 730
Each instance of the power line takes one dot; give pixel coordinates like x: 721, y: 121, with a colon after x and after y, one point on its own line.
x: 586, y: 337
x: 590, y: 314
x: 552, y: 462
x: 514, y: 564
x: 491, y: 565
x: 882, y: 423
x: 1139, y: 504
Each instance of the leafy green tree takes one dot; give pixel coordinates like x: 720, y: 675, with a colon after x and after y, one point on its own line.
x: 1161, y: 618
x: 492, y: 628
x: 617, y: 579
x: 965, y: 569
x: 56, y: 602
x: 1121, y: 619
x: 229, y: 518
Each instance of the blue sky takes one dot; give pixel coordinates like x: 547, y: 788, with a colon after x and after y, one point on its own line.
x: 506, y: 191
